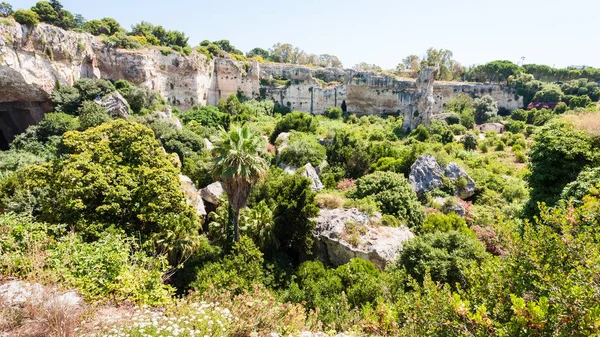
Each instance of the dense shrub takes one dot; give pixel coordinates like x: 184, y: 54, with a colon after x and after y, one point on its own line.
x: 349, y: 154
x: 567, y: 150
x: 238, y: 271
x: 112, y: 267
x: 293, y: 203
x: 333, y: 113
x: 470, y: 141
x: 393, y: 194
x: 585, y: 183
x: 106, y: 26
x: 207, y: 116
x: 112, y: 175
x: 443, y: 254
x: 56, y: 124
x: 303, y: 149
x: 91, y: 114
x: 439, y: 222
x: 298, y: 121
x: 26, y: 17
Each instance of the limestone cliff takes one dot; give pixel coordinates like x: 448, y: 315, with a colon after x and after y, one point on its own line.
x: 33, y: 61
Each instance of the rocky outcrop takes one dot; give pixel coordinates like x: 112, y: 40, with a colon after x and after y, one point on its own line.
x: 309, y: 172
x: 344, y: 234
x: 115, y: 105
x: 426, y: 174
x: 451, y: 205
x: 455, y: 172
x: 425, y: 100
x: 212, y: 193
x: 192, y: 194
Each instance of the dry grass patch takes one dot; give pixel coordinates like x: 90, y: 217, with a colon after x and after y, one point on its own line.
x: 589, y: 122
x: 329, y: 201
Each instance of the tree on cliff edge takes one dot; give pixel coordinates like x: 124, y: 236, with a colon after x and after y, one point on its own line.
x: 6, y: 9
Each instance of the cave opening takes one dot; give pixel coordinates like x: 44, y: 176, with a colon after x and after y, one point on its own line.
x: 3, y: 142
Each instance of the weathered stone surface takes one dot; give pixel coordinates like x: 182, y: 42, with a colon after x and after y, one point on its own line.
x: 425, y: 100
x: 455, y: 172
x: 311, y: 173
x: 212, y: 193
x: 448, y: 205
x: 192, y: 194
x: 379, y: 245
x: 34, y: 60
x: 115, y: 105
x: 425, y: 174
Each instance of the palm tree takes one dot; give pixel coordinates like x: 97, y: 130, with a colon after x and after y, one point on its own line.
x: 238, y: 166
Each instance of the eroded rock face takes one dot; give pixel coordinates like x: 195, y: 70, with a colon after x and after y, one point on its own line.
x: 426, y: 174
x: 425, y: 100
x: 309, y: 172
x: 34, y: 60
x: 192, y: 194
x: 377, y: 244
x: 455, y: 172
x: 115, y: 105
x: 212, y: 193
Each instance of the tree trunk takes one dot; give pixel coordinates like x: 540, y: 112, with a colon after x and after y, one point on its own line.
x: 236, y: 224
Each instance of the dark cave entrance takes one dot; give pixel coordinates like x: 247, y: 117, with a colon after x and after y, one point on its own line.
x: 3, y: 142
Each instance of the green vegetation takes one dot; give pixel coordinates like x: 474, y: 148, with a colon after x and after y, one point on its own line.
x: 91, y: 199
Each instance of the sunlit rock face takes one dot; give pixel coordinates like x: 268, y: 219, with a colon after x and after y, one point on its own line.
x: 34, y: 61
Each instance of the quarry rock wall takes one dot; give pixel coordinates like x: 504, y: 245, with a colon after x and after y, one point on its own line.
x: 35, y: 61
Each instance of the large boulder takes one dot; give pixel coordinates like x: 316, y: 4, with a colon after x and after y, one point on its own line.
x: 115, y: 105
x: 426, y: 174
x: 192, y: 194
x: 455, y: 172
x: 212, y: 193
x: 309, y: 172
x: 344, y: 234
x: 451, y: 205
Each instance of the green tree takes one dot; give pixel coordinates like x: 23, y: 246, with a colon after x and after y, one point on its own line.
x: 564, y: 149
x: 238, y: 166
x: 393, y: 194
x: 113, y: 175
x: 485, y: 108
x: 470, y: 141
x: 6, y: 9
x: 91, y: 114
x: 296, y: 120
x: 496, y: 71
x: 550, y: 93
x: 26, y: 17
x: 45, y: 12
x: 258, y: 52
x: 106, y: 26
x: 443, y: 254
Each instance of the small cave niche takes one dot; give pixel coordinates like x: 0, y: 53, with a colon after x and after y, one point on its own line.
x: 3, y: 142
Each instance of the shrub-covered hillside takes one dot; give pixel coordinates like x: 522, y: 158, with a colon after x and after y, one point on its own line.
x: 139, y: 219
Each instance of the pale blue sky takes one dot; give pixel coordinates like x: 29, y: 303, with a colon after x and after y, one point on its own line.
x: 553, y: 32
